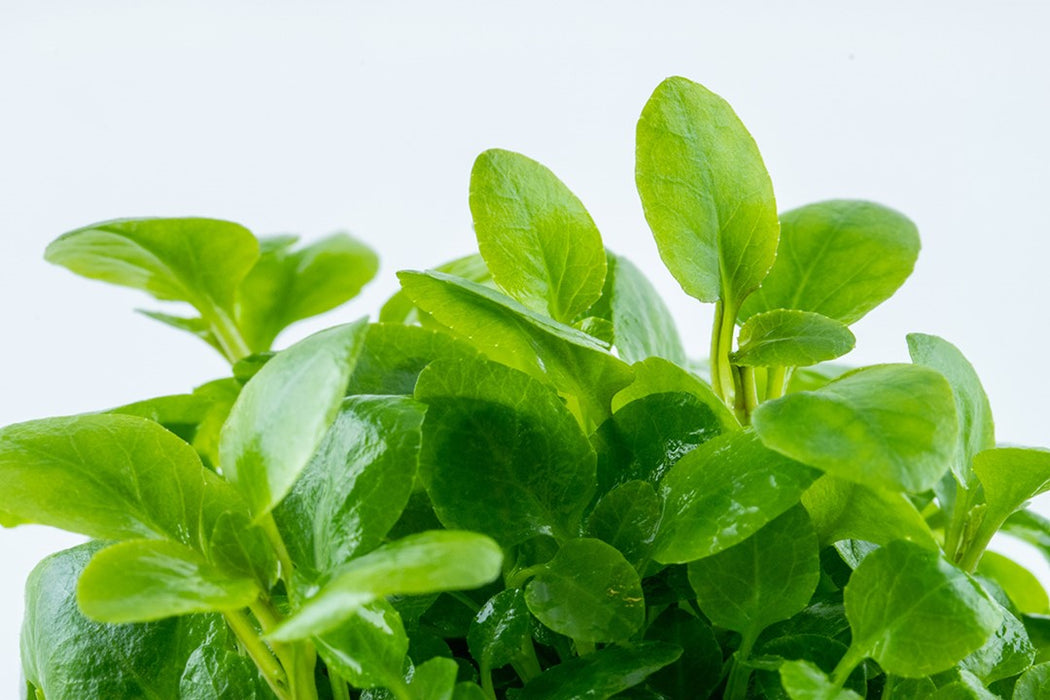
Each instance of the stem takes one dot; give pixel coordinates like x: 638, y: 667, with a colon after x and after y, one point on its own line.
x: 227, y: 334
x: 264, y: 659
x: 750, y: 390
x: 972, y: 556
x: 530, y: 665
x: 465, y: 600
x: 340, y: 690
x: 776, y: 384
x: 846, y: 665
x: 486, y: 681
x: 740, y: 675
x: 723, y: 381
x: 269, y: 526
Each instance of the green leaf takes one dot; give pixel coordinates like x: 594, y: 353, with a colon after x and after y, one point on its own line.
x: 656, y: 375
x: 220, y: 394
x: 821, y: 651
x: 1030, y: 527
x: 1021, y: 585
x: 642, y: 324
x: 968, y: 687
x: 536, y: 237
x: 1007, y: 653
x: 501, y: 629
x: 356, y: 485
x: 842, y: 510
x: 469, y: 691
x: 509, y: 333
x: 179, y: 413
x: 434, y: 680
x: 736, y: 588
x: 428, y: 562
x: 588, y: 592
x: 287, y: 285
x: 789, y: 338
x: 804, y: 681
x: 840, y: 258
x: 976, y: 428
x: 705, y: 192
x: 394, y: 355
x: 145, y: 580
x: 602, y: 674
x: 238, y: 547
x: 1010, y: 476
x: 722, y: 492
x: 698, y: 670
x: 501, y: 454
x: 628, y: 518
x: 282, y: 414
x: 131, y: 478
x: 400, y: 309
x: 1034, y: 683
x: 368, y: 649
x: 194, y: 325
x: 200, y: 261
x: 69, y: 657
x: 916, y: 614
x: 887, y: 426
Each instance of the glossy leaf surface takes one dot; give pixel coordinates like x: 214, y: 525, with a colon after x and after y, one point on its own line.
x: 500, y: 630
x: 602, y: 674
x: 791, y: 338
x: 368, y: 648
x: 842, y: 510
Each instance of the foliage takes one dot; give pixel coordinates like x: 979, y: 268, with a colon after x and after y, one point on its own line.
x: 517, y: 485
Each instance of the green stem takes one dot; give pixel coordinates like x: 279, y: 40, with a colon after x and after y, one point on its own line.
x: 400, y: 690
x: 750, y: 390
x: 227, y: 334
x: 465, y: 600
x: 517, y: 579
x: 723, y: 381
x: 530, y: 664
x: 264, y: 659
x: 740, y: 675
x: 340, y: 690
x: 972, y: 554
x: 269, y: 526
x: 486, y: 681
x: 846, y: 664
x: 776, y: 382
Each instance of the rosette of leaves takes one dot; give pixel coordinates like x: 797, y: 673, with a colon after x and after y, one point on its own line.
x: 517, y: 484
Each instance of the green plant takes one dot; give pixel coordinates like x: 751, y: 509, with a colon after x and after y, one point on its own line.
x: 517, y: 484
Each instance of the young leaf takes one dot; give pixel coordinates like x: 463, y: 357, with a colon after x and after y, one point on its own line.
x: 839, y: 258
x: 722, y: 492
x: 790, y: 338
x: 603, y: 674
x: 1020, y: 585
x: 287, y: 285
x: 804, y: 681
x: 500, y: 630
x: 588, y: 592
x: 698, y: 670
x: 434, y: 679
x: 509, y: 333
x: 976, y: 428
x: 400, y: 309
x: 282, y: 414
x: 394, y: 355
x: 705, y: 192
x: 819, y: 650
x: 656, y: 375
x: 144, y: 580
x: 1010, y: 476
x: 1007, y: 653
x: 735, y: 588
x: 916, y: 614
x: 536, y: 237
x: 368, y: 649
x: 1035, y: 683
x: 428, y: 562
x: 627, y: 518
x: 842, y: 510
x: 501, y: 454
x: 886, y: 426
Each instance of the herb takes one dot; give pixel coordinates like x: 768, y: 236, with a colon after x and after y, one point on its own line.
x: 517, y: 484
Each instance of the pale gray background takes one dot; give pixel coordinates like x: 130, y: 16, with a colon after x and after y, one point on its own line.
x: 314, y: 116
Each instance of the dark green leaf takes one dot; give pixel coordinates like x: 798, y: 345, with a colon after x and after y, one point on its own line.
x: 588, y: 592
x: 698, y: 670
x: 501, y: 454
x: 658, y: 376
x: 722, y: 492
x: 394, y: 355
x: 790, y: 338
x: 283, y: 413
x: 839, y: 258
x: 916, y: 614
x: 602, y: 674
x: 628, y: 518
x: 968, y: 687
x: 887, y: 426
x: 705, y: 192
x: 368, y: 649
x: 821, y: 651
x: 842, y: 510
x: 500, y: 630
x: 1006, y: 654
x: 536, y: 237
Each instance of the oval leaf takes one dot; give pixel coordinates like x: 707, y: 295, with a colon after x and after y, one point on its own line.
x: 627, y: 518
x: 602, y: 674
x: 843, y: 510
x: 789, y: 338
x: 368, y: 649
x: 501, y: 629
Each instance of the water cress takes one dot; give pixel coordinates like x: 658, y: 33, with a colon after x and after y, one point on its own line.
x: 518, y: 485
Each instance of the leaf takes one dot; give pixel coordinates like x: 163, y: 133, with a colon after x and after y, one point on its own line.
x: 400, y: 309
x: 976, y: 428
x: 145, y: 580
x: 886, y: 426
x: 536, y: 237
x: 1021, y: 585
x: 656, y: 375
x: 642, y: 324
x: 368, y: 649
x: 1007, y: 653
x: 200, y: 261
x: 722, y: 492
x: 737, y: 589
x: 588, y: 592
x: 131, y: 477
x: 287, y: 285
x: 435, y: 679
x: 1028, y: 526
x: 428, y: 562
x: 916, y: 614
x: 509, y: 333
x: 698, y: 670
x: 789, y: 338
x: 602, y: 674
x: 840, y: 258
x: 627, y: 518
x: 823, y: 652
x: 356, y: 485
x: 842, y: 510
x: 501, y: 454
x: 394, y: 355
x: 1010, y: 476
x: 180, y: 413
x: 282, y: 414
x: 1034, y: 683
x: 194, y: 325
x: 804, y: 681
x: 501, y: 629
x: 968, y: 687
x: 705, y: 192
x: 69, y: 657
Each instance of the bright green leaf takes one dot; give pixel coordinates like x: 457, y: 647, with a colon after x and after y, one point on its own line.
x: 656, y: 375
x: 804, y: 681
x: 400, y: 309
x: 790, y: 338
x: 368, y: 649
x: 843, y: 510
x: 602, y: 674
x: 1010, y: 476
x: 501, y: 629
x: 435, y: 679
x: 1007, y: 653
x: 1021, y: 585
x: 1034, y: 683
x: 536, y: 237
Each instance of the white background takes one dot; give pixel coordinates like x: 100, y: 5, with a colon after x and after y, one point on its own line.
x: 314, y: 116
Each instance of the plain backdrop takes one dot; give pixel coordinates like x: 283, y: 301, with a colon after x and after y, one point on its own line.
x: 312, y: 116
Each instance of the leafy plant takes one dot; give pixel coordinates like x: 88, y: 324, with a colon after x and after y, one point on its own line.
x: 517, y: 485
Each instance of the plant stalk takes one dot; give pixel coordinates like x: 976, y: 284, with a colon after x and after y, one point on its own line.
x: 740, y: 675
x: 261, y: 654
